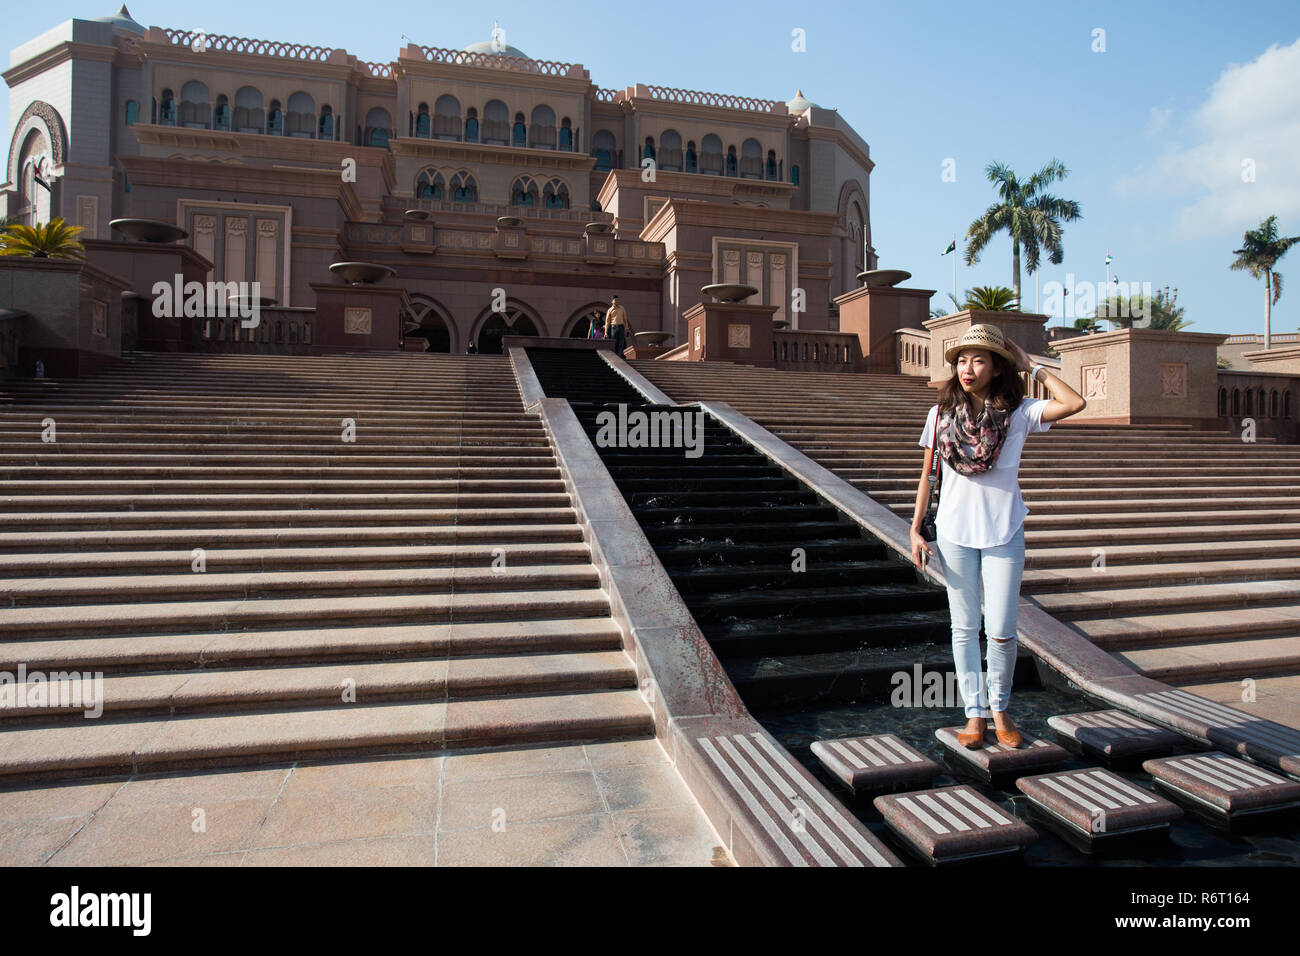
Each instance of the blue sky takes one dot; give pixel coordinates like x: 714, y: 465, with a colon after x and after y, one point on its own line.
x: 1154, y: 130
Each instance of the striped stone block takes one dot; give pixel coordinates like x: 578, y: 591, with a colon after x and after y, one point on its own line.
x: 796, y: 816
x: 1112, y: 735
x: 1093, y: 805
x: 1223, y: 789
x: 996, y: 761
x: 953, y: 824
x: 875, y: 764
x: 1232, y: 730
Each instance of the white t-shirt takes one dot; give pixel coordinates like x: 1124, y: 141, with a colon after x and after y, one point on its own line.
x: 984, y: 511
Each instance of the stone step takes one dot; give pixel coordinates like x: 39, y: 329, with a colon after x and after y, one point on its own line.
x: 53, y: 504
x: 186, y: 539
x: 216, y: 689
x: 282, y: 518
x: 1201, y: 660
x: 143, y: 746
x: 1272, y: 597
x: 216, y: 585
x: 127, y: 653
x: 291, y: 559
x: 162, y: 617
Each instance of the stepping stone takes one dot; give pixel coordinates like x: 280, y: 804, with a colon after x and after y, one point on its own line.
x: 1092, y: 807
x: 1112, y: 736
x: 997, y: 762
x: 1223, y: 790
x: 875, y: 764
x: 954, y: 825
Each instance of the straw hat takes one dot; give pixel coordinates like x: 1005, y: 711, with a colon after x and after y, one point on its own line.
x: 980, y: 337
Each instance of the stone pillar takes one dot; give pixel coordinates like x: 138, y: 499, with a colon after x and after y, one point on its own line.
x: 1144, y: 377
x: 358, y: 318
x: 73, y: 324
x: 1026, y: 329
x: 730, y: 332
x: 874, y: 314
x: 144, y: 265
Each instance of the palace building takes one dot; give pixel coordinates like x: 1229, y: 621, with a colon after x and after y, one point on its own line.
x: 479, y: 175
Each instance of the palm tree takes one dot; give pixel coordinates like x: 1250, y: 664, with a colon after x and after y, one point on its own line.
x: 1162, y: 310
x: 1258, y: 254
x: 54, y: 240
x: 1030, y: 217
x: 984, y: 298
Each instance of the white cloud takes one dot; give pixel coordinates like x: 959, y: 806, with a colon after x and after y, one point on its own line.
x: 1252, y: 113
x: 1158, y: 120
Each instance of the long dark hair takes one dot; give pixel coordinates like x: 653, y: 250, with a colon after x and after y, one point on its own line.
x: 1006, y: 392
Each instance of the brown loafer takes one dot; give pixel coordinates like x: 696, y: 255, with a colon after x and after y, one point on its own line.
x: 975, y: 739
x: 1009, y: 738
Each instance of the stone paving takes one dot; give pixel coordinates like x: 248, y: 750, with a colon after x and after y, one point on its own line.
x: 1276, y: 698
x: 605, y: 804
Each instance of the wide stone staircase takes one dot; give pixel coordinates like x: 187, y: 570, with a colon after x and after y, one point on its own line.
x: 271, y: 558
x: 1175, y: 549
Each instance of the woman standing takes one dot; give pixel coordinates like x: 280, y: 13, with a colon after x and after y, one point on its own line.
x: 982, y: 420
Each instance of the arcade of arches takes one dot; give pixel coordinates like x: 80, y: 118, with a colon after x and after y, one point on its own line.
x: 429, y: 321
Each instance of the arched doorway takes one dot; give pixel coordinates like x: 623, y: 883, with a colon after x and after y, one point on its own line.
x: 429, y: 321
x: 580, y: 322
x: 514, y: 321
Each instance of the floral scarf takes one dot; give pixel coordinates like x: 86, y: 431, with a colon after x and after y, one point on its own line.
x: 970, y: 444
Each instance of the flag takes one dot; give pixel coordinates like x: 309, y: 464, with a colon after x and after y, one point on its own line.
x: 951, y: 246
x: 1108, y: 258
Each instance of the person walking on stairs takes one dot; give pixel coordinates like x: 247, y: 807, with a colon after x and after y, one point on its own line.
x: 980, y: 424
x: 616, y: 325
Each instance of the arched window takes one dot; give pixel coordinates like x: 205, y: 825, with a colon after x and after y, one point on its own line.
x: 771, y: 165
x: 167, y: 109
x: 523, y: 192
x: 378, y: 124
x: 463, y: 188
x: 423, y: 125
x: 541, y: 128
x: 711, y: 155
x: 301, y: 119
x: 132, y: 112
x: 1236, y: 401
x: 471, y: 125
x: 751, y: 159
x: 566, y: 134
x: 648, y: 150
x: 1223, y: 401
x: 496, y: 123
x: 196, y: 109
x: 858, y: 231
x: 670, y: 150
x: 602, y: 147
x: 692, y: 158
x: 1286, y: 403
x: 555, y: 195
x: 519, y: 132
x: 248, y: 110
x: 221, y: 113
x: 732, y: 165
x: 275, y: 119
x: 326, y: 123
x: 446, y: 117
x: 1272, y: 403
x: 794, y: 175
x: 430, y: 185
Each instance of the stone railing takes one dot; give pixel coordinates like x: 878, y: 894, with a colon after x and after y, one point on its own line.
x: 278, y: 332
x: 11, y: 339
x: 605, y: 96
x: 198, y: 41
x: 813, y: 351
x: 1257, y: 338
x: 475, y: 238
x: 397, y: 205
x: 700, y: 98
x: 493, y: 61
x: 913, y: 350
x: 376, y: 69
x: 1271, y: 399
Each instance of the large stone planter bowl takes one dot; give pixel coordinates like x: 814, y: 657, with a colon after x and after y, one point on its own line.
x: 598, y: 227
x: 883, y: 278
x: 148, y: 230
x: 362, y: 273
x: 729, y: 291
x: 419, y: 215
x: 508, y: 220
x: 652, y: 339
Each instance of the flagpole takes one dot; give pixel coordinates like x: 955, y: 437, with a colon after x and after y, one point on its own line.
x: 954, y: 272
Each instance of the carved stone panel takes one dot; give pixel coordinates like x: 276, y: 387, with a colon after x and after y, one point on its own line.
x: 356, y: 321
x: 1173, y: 380
x: 99, y: 318
x: 738, y: 336
x: 1094, y: 381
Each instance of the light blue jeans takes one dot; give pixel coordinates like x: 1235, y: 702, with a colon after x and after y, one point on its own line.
x: 1000, y: 569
